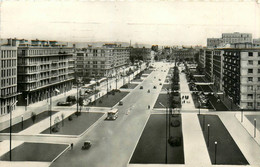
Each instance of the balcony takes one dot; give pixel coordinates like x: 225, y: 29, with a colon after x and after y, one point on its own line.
x: 9, y: 95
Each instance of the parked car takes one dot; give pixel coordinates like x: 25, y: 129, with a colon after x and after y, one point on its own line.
x: 120, y: 103
x: 141, y: 87
x: 154, y: 87
x: 160, y: 83
x: 63, y: 103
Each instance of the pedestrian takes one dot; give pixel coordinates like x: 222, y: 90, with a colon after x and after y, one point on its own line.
x: 148, y: 106
x: 71, y: 146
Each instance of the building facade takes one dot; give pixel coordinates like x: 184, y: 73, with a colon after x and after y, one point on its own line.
x: 42, y: 68
x: 214, y: 42
x: 241, y: 77
x: 209, y: 64
x: 8, y: 79
x: 185, y: 54
x: 217, y: 69
x: 236, y: 37
x: 100, y: 62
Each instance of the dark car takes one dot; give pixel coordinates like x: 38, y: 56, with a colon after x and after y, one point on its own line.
x: 120, y: 103
x: 154, y: 87
x: 86, y: 145
x: 141, y: 87
x: 64, y: 103
x: 160, y: 83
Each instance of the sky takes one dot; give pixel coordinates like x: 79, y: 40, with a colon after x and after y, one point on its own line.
x: 179, y: 22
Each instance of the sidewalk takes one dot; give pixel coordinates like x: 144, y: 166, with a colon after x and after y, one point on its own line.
x: 244, y: 141
x: 185, y: 91
x: 193, y: 140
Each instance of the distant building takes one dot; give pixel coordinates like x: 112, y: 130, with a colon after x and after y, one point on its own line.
x: 143, y: 54
x: 186, y: 54
x: 256, y: 43
x: 214, y: 42
x: 237, y: 37
x: 99, y: 62
x: 209, y: 64
x: 8, y: 78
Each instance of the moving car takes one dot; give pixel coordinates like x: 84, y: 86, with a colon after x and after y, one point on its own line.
x: 120, y: 103
x: 141, y: 87
x: 86, y: 145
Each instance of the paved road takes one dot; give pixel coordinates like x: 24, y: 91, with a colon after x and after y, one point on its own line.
x: 114, y: 141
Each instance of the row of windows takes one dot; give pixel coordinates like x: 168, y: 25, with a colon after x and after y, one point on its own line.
x: 251, y: 62
x: 45, y: 51
x: 8, y: 82
x: 8, y: 72
x: 251, y: 96
x: 8, y: 63
x: 251, y: 87
x: 8, y: 53
x: 250, y: 104
x: 8, y: 91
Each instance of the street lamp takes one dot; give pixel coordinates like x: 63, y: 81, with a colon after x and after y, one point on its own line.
x: 10, y: 111
x: 78, y: 81
x: 55, y: 90
x: 254, y: 128
x: 208, y: 135
x: 166, y: 131
x: 22, y: 122
x: 231, y: 102
x: 199, y: 107
x: 241, y: 114
x: 216, y: 143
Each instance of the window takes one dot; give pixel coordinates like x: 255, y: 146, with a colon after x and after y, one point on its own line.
x: 258, y: 54
x: 258, y: 96
x: 249, y: 96
x: 250, y: 87
x: 258, y: 87
x: 249, y: 104
x: 250, y: 79
x: 250, y: 54
x: 258, y: 70
x: 258, y: 79
x: 258, y: 62
x: 250, y: 62
x: 250, y: 71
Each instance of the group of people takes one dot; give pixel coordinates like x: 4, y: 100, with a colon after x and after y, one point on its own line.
x: 185, y: 99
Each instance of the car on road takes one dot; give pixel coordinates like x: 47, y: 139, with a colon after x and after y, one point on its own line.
x: 160, y: 83
x: 154, y: 87
x: 62, y: 103
x: 141, y: 87
x: 120, y: 103
x: 159, y: 79
x: 86, y: 145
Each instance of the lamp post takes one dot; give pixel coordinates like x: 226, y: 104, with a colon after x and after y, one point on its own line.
x: 26, y: 103
x: 231, y: 102
x: 10, y: 111
x: 199, y: 107
x: 208, y: 135
x: 166, y: 137
x: 79, y: 81
x: 216, y: 143
x: 55, y: 90
x: 241, y: 114
x: 254, y: 128
x: 116, y: 79
x: 22, y: 122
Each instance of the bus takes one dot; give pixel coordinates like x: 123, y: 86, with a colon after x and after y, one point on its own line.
x: 112, y: 115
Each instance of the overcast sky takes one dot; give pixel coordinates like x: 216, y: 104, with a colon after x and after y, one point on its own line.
x: 164, y: 23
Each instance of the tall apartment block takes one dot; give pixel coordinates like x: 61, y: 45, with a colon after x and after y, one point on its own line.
x: 241, y: 77
x: 43, y: 66
x: 104, y: 61
x: 8, y: 78
x: 217, y: 69
x: 209, y: 64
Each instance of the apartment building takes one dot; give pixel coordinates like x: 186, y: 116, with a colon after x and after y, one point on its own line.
x: 209, y: 64
x: 43, y: 66
x: 217, y: 74
x: 185, y: 54
x: 214, y: 42
x: 109, y: 60
x: 8, y: 79
x: 236, y: 37
x: 241, y: 77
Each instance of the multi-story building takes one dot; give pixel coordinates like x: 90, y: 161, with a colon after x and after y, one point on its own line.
x: 217, y: 69
x: 256, y: 42
x: 209, y: 64
x: 236, y: 37
x: 214, y: 42
x: 8, y: 78
x: 202, y: 62
x: 185, y: 54
x: 98, y: 62
x: 241, y: 77
x: 43, y: 66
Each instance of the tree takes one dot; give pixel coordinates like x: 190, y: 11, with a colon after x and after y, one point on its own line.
x: 33, y: 117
